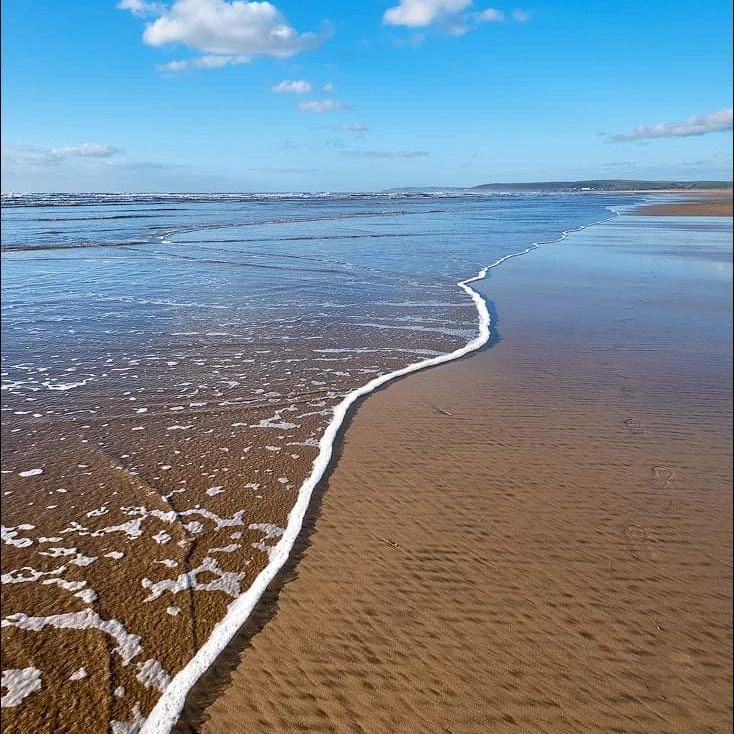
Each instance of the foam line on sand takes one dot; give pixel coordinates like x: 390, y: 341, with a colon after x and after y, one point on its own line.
x: 168, y: 708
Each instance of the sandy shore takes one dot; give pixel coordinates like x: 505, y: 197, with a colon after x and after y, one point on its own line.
x: 702, y: 207
x: 537, y: 538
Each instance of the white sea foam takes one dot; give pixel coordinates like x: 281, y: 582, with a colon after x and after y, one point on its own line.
x: 168, y: 707
x: 129, y: 727
x: 270, y: 531
x: 9, y: 535
x: 128, y: 645
x: 168, y: 562
x: 19, y: 683
x: 63, y: 386
x: 231, y: 548
x: 30, y: 473
x: 153, y: 675
x: 19, y: 576
x: 79, y: 674
x: 226, y: 581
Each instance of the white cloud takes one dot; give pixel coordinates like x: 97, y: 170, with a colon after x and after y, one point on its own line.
x: 208, y: 61
x: 141, y: 8
x: 292, y: 86
x: 29, y: 155
x: 354, y: 127
x: 226, y: 32
x: 490, y: 15
x: 85, y: 150
x: 451, y: 16
x: 328, y: 88
x: 386, y: 153
x: 319, y: 106
x: 720, y: 121
x: 420, y: 13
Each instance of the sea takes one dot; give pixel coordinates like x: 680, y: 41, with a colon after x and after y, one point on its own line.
x: 175, y: 371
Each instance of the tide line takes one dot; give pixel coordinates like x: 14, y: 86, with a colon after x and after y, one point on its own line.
x: 167, y: 709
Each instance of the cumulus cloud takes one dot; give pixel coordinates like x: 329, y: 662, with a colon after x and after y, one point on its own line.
x: 319, y: 106
x: 386, y: 153
x: 328, y: 88
x: 29, y: 155
x: 420, y: 13
x: 292, y: 86
x: 715, y: 122
x: 226, y: 32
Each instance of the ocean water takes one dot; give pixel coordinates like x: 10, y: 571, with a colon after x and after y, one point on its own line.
x: 174, y: 368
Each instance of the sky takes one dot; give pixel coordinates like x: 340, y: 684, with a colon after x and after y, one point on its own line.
x: 211, y: 95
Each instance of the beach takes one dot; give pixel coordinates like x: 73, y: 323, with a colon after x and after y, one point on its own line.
x: 708, y: 204
x: 534, y: 538
x: 365, y: 368
x: 175, y: 369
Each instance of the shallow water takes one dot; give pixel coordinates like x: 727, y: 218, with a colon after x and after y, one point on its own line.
x: 169, y: 365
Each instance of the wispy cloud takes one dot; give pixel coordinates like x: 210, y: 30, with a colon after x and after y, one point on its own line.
x: 285, y: 170
x: 292, y: 86
x: 420, y: 13
x: 353, y: 127
x: 86, y: 150
x: 490, y: 15
x: 451, y: 16
x: 225, y: 32
x: 208, y: 61
x: 715, y: 122
x: 386, y: 153
x: 318, y: 106
x: 29, y: 155
x: 141, y: 8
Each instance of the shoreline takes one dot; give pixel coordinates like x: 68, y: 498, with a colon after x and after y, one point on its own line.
x: 162, y: 486
x: 711, y: 207
x: 701, y: 203
x: 191, y: 716
x: 167, y: 710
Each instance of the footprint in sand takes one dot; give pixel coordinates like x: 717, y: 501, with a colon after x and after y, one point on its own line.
x: 637, y: 541
x: 663, y: 474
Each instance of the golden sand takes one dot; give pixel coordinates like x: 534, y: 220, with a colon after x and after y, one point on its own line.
x: 537, y: 538
x: 704, y: 207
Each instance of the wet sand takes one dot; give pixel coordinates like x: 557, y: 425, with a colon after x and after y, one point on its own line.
x: 537, y: 538
x: 163, y: 404
x: 710, y: 207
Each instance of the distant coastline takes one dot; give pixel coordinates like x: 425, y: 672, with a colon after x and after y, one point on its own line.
x: 616, y: 185
x: 587, y: 186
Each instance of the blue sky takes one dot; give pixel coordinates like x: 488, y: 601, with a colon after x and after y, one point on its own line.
x: 179, y: 95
